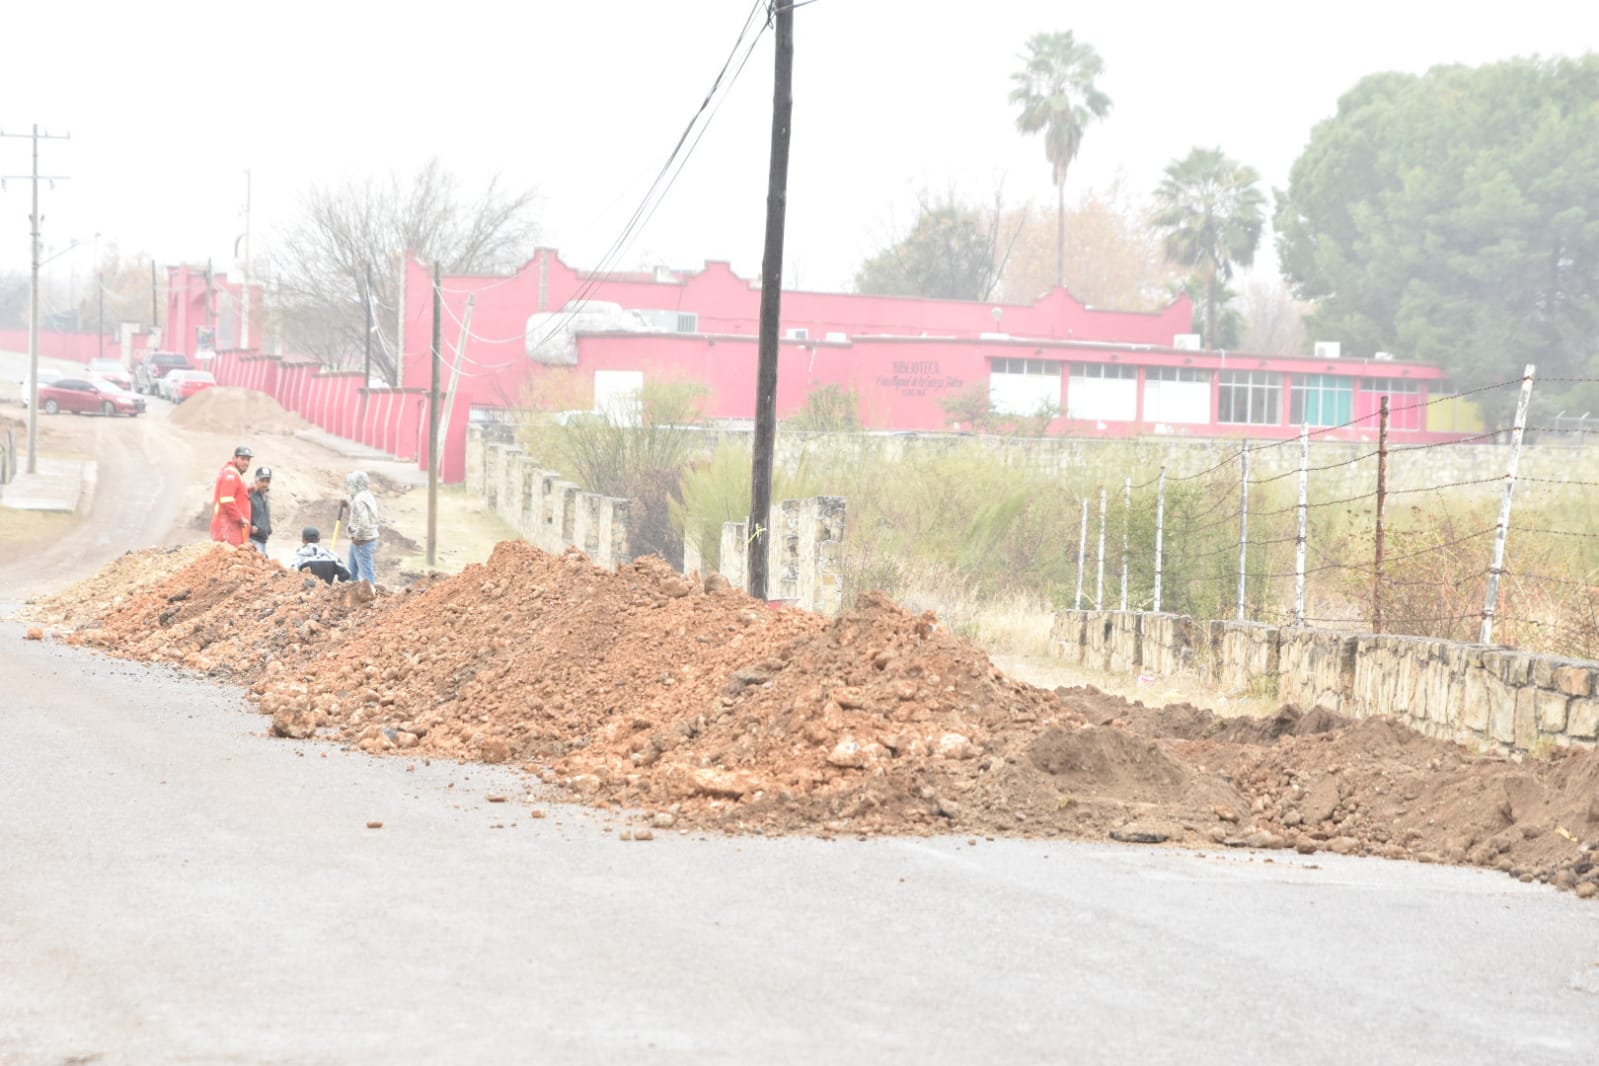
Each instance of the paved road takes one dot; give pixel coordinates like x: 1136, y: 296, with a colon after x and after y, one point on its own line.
x: 178, y: 888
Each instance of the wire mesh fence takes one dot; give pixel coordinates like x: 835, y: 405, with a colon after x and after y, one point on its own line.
x: 1447, y: 540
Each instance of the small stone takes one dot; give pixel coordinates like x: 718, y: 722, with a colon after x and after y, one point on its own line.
x: 1587, y: 890
x: 663, y: 820
x: 374, y: 825
x: 495, y: 797
x: 535, y: 814
x: 34, y: 633
x: 1226, y: 814
x: 643, y: 834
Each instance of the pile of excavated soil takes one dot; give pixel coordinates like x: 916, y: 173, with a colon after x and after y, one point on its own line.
x: 103, y: 592
x: 232, y: 613
x: 224, y: 409
x: 698, y: 706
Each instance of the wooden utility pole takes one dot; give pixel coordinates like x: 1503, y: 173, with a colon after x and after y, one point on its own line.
x: 433, y: 416
x: 771, y: 307
x: 33, y: 289
x: 1382, y: 511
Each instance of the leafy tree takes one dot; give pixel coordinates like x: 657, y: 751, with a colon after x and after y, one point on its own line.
x: 1454, y: 216
x: 1058, y: 98
x: 357, y: 230
x: 1274, y: 323
x: 954, y: 251
x: 1212, y: 213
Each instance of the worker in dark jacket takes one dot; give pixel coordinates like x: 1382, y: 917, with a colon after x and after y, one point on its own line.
x: 261, y: 509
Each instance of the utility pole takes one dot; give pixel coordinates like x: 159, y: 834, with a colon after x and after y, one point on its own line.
x: 33, y: 289
x: 771, y: 300
x: 244, y: 313
x: 433, y: 413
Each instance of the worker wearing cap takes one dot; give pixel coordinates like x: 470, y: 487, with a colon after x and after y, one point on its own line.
x: 261, y: 509
x: 230, y: 504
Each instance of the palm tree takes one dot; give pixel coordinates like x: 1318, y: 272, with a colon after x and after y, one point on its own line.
x: 1057, y: 94
x: 1212, y: 215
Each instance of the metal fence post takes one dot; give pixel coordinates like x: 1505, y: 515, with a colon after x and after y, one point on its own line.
x: 1243, y: 532
x: 1160, y: 533
x: 1099, y: 584
x: 1491, y: 603
x: 1082, y: 554
x: 1304, y: 522
x: 1382, y: 510
x: 1127, y: 525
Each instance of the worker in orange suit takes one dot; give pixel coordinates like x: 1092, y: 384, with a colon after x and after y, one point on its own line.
x: 230, y: 510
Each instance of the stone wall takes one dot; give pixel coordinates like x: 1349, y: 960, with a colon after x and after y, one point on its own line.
x: 1494, y: 697
x: 804, y: 553
x: 804, y: 566
x: 543, y: 507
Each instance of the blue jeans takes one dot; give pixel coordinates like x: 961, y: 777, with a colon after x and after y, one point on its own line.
x: 363, y: 561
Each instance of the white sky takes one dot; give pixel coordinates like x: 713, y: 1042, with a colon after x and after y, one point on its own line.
x: 167, y: 105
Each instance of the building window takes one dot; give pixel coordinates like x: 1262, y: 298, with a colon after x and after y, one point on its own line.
x: 1114, y: 371
x: 1250, y: 397
x: 1177, y: 394
x: 671, y: 321
x: 1024, y: 387
x: 1045, y: 367
x: 1321, y: 400
x: 1404, y: 399
x: 1103, y: 392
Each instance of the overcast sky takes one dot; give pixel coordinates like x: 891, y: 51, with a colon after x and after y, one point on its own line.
x: 168, y: 104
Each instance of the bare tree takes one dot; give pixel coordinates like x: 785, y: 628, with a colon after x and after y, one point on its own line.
x: 348, y: 233
x: 1274, y: 322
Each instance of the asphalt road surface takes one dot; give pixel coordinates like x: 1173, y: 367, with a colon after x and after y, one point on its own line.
x: 175, y: 887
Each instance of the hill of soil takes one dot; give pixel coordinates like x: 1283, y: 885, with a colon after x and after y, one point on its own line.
x: 223, y: 409
x: 698, y: 706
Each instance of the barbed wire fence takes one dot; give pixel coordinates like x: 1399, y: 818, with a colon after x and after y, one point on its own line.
x: 1460, y: 546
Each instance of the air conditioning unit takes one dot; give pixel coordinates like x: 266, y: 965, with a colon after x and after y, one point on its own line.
x: 1383, y: 357
x: 1328, y: 349
x: 839, y: 338
x: 797, y: 333
x: 1188, y: 342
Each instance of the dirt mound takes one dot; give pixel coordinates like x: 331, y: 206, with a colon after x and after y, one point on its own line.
x: 222, y: 409
x: 91, y: 599
x: 231, y: 613
x: 701, y: 707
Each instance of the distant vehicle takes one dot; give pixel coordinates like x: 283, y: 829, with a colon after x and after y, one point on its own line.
x: 181, y: 384
x: 113, y: 371
x: 148, y: 374
x: 88, y: 395
x: 46, y: 377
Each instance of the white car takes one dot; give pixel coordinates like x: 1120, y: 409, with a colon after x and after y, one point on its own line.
x: 46, y: 377
x: 169, y: 381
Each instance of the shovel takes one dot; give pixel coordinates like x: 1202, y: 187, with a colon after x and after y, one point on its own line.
x: 337, y: 523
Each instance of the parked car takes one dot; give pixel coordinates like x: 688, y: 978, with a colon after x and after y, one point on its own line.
x: 181, y: 384
x: 88, y: 395
x: 148, y: 374
x: 113, y: 371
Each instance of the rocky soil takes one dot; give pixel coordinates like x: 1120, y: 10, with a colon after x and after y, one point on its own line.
x: 691, y: 705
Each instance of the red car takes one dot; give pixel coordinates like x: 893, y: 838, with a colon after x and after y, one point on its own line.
x: 86, y: 396
x: 181, y: 384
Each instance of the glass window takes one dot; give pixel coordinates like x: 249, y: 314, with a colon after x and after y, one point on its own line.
x: 1250, y: 397
x: 1321, y: 400
x: 1112, y: 371
x: 1175, y: 373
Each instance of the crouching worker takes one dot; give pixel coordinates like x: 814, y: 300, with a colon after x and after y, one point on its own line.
x: 313, y: 558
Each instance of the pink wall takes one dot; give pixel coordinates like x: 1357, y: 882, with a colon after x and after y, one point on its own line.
x: 188, y: 310
x: 77, y: 347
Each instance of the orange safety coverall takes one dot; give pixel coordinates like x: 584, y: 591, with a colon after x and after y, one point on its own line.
x: 230, y: 510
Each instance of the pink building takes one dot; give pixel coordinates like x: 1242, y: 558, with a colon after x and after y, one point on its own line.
x: 202, y: 307
x: 1055, y: 363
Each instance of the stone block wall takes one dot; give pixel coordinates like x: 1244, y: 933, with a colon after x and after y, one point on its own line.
x: 1497, y: 698
x: 804, y: 559
x: 543, y: 507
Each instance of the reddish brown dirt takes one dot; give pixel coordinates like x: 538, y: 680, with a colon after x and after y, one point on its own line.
x: 701, y: 707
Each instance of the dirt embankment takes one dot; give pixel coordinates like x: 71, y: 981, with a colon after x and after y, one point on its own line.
x: 701, y: 707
